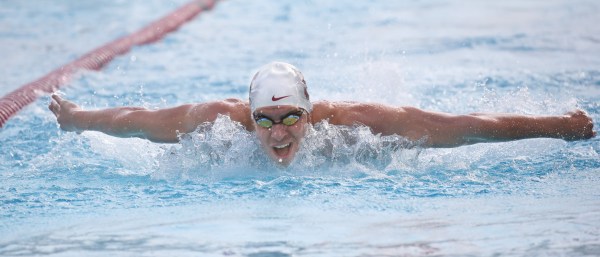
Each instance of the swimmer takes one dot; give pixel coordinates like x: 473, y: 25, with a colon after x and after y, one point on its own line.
x: 279, y: 111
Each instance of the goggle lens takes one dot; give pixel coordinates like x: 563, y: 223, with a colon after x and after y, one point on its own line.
x: 289, y: 120
x: 264, y: 122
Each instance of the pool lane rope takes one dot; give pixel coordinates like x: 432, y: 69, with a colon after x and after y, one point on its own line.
x: 13, y: 102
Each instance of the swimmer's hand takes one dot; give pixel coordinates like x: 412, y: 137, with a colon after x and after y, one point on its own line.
x: 65, y: 113
x: 578, y: 126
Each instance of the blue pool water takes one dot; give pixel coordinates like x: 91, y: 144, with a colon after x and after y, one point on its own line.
x: 214, y: 194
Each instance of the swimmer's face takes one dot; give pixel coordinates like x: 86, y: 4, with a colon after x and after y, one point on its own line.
x: 281, y: 142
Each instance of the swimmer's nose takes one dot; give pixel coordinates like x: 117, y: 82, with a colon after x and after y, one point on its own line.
x: 278, y: 132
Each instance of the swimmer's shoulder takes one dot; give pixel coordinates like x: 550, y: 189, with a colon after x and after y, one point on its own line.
x: 237, y: 109
x: 229, y: 105
x: 332, y: 111
x: 351, y: 112
x: 237, y: 101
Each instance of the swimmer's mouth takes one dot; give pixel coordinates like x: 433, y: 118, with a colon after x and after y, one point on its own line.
x: 282, y: 150
x: 282, y: 146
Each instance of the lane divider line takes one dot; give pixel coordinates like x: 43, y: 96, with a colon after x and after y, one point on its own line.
x: 13, y: 102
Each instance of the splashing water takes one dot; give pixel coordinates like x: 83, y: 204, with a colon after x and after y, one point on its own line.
x: 211, y: 151
x: 225, y: 148
x: 329, y: 148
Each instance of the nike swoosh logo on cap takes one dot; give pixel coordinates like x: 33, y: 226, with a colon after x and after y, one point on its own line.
x: 275, y: 99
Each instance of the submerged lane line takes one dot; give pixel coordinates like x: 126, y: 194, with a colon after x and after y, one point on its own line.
x: 14, y: 101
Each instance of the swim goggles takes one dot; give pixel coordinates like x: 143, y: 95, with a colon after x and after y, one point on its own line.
x: 288, y: 120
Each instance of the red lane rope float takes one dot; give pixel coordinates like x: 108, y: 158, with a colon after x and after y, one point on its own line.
x: 13, y: 102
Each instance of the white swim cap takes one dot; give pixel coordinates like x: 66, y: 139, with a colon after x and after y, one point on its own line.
x: 279, y: 83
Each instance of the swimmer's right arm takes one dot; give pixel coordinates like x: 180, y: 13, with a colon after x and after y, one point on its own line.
x: 163, y: 125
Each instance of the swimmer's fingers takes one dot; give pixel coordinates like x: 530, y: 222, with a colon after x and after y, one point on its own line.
x: 64, y: 104
x: 59, y: 100
x: 582, y: 124
x: 56, y: 97
x: 64, y: 111
x: 588, y: 128
x: 54, y: 106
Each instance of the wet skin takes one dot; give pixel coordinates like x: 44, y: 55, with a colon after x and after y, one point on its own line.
x: 281, y: 142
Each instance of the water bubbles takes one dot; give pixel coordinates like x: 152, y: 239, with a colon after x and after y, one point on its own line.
x: 212, y: 151
x: 226, y: 148
x: 343, y: 148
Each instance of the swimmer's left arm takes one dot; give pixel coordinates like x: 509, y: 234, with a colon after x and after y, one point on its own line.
x: 449, y: 130
x: 575, y: 125
x: 446, y: 130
